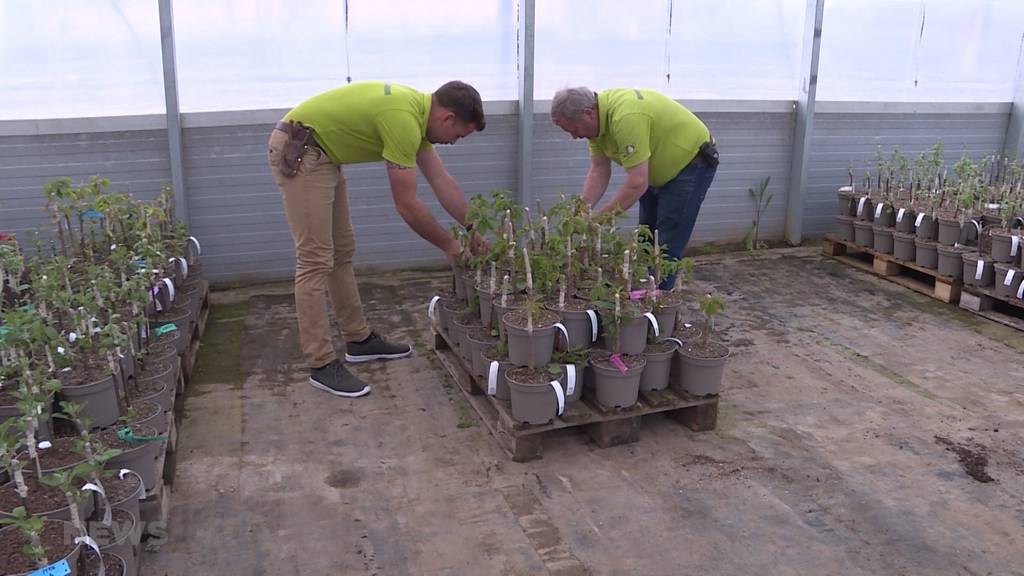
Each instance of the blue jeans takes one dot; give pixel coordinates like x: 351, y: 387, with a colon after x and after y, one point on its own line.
x: 672, y: 208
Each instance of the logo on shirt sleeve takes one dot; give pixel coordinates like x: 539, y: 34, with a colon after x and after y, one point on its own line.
x: 630, y: 149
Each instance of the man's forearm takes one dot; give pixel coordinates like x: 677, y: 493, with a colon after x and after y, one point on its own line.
x: 451, y: 198
x: 624, y: 198
x: 420, y: 219
x: 595, y: 184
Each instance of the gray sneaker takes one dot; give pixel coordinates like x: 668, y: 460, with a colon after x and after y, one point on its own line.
x: 375, y: 348
x: 337, y: 380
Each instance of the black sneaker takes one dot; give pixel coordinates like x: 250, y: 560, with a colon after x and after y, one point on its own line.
x: 337, y: 380
x: 375, y: 348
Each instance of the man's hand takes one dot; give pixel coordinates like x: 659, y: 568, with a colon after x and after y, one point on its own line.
x: 477, y: 245
x: 454, y: 253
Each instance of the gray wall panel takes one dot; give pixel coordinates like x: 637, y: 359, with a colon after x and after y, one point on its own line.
x: 134, y: 161
x: 236, y: 210
x: 840, y: 138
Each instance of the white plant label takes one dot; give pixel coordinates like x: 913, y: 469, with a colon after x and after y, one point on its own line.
x: 170, y: 287
x: 1014, y: 245
x: 95, y: 548
x: 860, y: 205
x: 878, y: 210
x: 199, y: 249
x: 1020, y: 291
x: 980, y: 269
x: 560, y: 395
x: 676, y: 340
x: 103, y: 498
x: 593, y: 325
x: 60, y: 350
x: 1009, y: 277
x: 184, y: 267
x: 654, y: 323
x: 44, y: 445
x: 565, y: 332
x: 431, y: 306
x: 920, y: 218
x: 899, y: 215
x: 72, y: 337
x: 492, y: 378
x: 570, y: 379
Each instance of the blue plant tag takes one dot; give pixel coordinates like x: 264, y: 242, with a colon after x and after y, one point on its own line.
x: 57, y: 569
x: 91, y: 213
x: 139, y: 262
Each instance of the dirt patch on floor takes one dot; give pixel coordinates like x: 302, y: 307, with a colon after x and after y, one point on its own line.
x: 973, y: 458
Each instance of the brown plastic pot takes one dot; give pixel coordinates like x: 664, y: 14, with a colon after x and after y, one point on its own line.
x: 100, y: 398
x: 1006, y: 246
x: 613, y: 389
x: 698, y: 376
x: 656, y: 371
x: 1007, y: 288
x: 863, y: 234
x: 977, y: 271
x: 951, y: 261
x: 883, y: 241
x: 926, y: 254
x: 534, y: 403
x: 844, y: 228
x: 904, y: 247
x: 949, y: 231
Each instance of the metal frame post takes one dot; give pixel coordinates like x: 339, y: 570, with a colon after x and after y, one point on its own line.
x: 170, y: 66
x: 527, y: 28
x: 804, y: 121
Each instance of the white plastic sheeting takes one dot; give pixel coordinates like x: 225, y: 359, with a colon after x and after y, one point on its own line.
x: 70, y: 58
x: 920, y: 50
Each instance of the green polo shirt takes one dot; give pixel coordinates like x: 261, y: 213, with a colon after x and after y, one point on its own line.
x: 638, y: 125
x: 367, y: 122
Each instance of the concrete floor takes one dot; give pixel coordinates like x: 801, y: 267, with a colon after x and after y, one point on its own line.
x: 846, y: 402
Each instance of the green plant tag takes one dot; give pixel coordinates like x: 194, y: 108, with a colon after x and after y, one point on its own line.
x: 93, y: 214
x: 26, y: 308
x: 128, y: 435
x: 164, y: 329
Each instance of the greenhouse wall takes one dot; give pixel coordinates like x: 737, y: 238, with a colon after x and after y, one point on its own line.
x: 235, y: 208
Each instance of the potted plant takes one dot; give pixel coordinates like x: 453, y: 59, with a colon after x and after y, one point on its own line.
x: 702, y: 362
x: 617, y: 374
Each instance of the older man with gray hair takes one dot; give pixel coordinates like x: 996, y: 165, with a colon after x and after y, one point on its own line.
x: 668, y: 154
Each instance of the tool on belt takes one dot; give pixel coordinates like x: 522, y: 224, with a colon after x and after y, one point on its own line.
x: 300, y: 138
x: 709, y: 153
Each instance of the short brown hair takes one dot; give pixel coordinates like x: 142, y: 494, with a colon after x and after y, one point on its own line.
x: 464, y: 101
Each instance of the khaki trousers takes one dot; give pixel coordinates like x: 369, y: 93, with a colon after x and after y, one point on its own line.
x: 316, y: 205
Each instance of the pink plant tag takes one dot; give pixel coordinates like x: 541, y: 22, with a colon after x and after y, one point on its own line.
x: 640, y: 294
x: 616, y: 359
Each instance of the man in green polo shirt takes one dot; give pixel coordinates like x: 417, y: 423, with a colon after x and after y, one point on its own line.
x: 361, y: 122
x: 668, y: 154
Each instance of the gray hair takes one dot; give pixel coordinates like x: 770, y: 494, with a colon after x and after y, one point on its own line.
x: 569, y: 103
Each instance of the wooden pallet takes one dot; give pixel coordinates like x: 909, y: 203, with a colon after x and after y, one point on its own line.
x: 188, y: 358
x: 986, y: 303
x: 523, y: 442
x: 907, y: 274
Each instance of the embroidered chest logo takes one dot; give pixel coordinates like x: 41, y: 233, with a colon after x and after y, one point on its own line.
x: 629, y: 149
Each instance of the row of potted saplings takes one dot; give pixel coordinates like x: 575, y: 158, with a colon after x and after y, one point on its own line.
x: 541, y: 354
x: 983, y: 251
x: 91, y: 342
x: 120, y: 421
